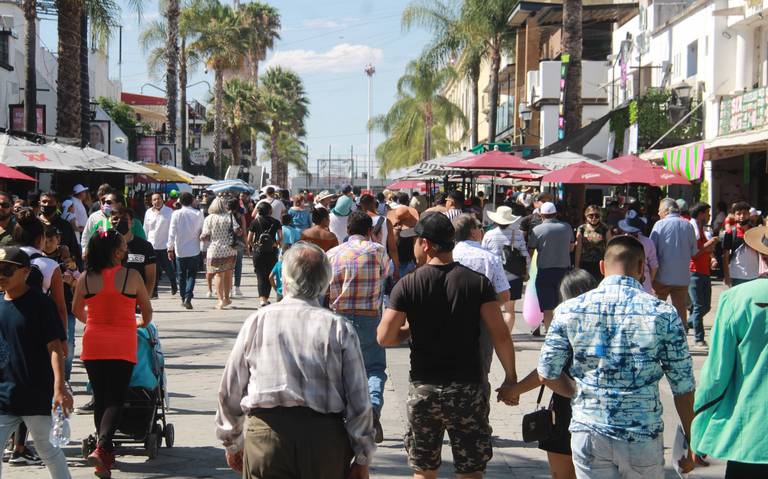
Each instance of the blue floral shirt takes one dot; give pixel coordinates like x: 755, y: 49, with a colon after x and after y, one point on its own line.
x: 622, y: 341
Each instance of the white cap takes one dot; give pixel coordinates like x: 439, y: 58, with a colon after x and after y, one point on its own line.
x: 78, y: 188
x: 755, y: 212
x: 547, y: 208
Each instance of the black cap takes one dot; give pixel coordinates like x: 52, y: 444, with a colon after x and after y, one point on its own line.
x: 437, y: 228
x: 14, y: 255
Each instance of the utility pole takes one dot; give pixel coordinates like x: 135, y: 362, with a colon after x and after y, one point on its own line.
x: 369, y: 70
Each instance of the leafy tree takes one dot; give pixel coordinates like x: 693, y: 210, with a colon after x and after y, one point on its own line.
x: 125, y: 118
x: 241, y: 113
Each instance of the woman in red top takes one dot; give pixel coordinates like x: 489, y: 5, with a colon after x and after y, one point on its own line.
x: 111, y: 293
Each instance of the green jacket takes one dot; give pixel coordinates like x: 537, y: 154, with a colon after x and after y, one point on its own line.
x: 732, y: 397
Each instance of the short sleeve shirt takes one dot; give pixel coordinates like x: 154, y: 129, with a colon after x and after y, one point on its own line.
x: 27, y: 325
x: 140, y: 254
x: 552, y: 240
x: 265, y: 224
x: 442, y: 304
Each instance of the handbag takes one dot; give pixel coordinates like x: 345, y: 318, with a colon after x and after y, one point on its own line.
x: 514, y: 261
x: 236, y: 240
x: 540, y: 424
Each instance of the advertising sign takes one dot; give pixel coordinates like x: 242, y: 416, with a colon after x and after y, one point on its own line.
x: 146, y: 149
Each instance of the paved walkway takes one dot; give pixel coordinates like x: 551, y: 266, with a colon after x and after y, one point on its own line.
x: 197, y: 344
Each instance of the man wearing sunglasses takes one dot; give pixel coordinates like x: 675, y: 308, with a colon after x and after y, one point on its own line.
x: 7, y: 220
x: 31, y: 360
x: 49, y: 214
x: 100, y: 219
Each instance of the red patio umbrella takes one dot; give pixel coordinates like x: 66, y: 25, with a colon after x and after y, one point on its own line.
x: 494, y: 160
x: 636, y: 170
x: 8, y: 173
x: 583, y: 173
x: 525, y: 176
x: 406, y: 185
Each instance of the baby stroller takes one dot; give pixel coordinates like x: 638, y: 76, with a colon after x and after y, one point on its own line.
x: 143, y: 419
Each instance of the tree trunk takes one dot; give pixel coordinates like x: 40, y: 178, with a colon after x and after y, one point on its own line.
x: 493, y: 95
x: 572, y: 44
x: 30, y: 84
x: 172, y: 62
x: 274, y: 155
x: 474, y: 114
x: 254, y: 64
x: 183, y: 96
x: 218, y: 127
x: 85, y: 84
x: 234, y: 139
x: 68, y: 93
x: 428, y: 133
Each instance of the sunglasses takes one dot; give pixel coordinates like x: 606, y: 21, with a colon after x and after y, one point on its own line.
x: 8, y: 270
x: 5, y: 204
x: 107, y: 202
x: 593, y: 216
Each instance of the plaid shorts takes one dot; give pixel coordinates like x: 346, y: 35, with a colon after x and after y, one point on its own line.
x: 459, y: 408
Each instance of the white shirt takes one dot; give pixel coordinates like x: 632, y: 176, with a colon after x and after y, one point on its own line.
x: 81, y: 214
x: 496, y: 239
x: 184, y: 232
x: 90, y: 225
x: 278, y: 209
x: 473, y: 256
x: 47, y: 266
x: 156, y: 225
x: 338, y: 226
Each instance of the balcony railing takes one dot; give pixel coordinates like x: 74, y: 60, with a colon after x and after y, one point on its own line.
x: 743, y: 111
x: 505, y: 114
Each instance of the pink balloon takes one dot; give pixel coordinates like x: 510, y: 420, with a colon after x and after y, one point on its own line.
x: 532, y: 314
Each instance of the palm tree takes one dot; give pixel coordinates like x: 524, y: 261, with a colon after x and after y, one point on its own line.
x: 290, y: 148
x: 285, y: 109
x: 572, y: 46
x: 68, y: 92
x: 220, y: 43
x: 476, y: 31
x: 171, y: 64
x: 30, y: 84
x: 415, y: 125
x: 241, y: 113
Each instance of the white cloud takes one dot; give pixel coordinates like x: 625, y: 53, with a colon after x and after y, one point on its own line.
x: 328, y: 23
x: 341, y: 58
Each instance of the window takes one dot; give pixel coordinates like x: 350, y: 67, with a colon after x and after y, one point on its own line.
x: 693, y: 59
x: 5, y: 50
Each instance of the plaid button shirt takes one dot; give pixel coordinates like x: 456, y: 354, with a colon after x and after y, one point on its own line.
x: 359, y: 267
x: 295, y: 353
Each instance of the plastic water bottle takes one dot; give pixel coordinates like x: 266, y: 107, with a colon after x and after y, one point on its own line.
x: 60, y: 432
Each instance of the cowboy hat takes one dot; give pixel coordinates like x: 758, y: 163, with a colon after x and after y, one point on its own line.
x: 503, y: 216
x: 757, y: 239
x: 325, y: 194
x: 632, y: 223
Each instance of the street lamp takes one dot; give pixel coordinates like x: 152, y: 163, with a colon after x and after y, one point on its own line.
x: 369, y: 70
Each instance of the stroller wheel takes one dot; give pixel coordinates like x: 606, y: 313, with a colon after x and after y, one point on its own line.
x: 88, y: 446
x: 152, y: 445
x: 169, y: 435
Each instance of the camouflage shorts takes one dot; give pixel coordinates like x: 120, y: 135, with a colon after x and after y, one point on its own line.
x: 459, y: 408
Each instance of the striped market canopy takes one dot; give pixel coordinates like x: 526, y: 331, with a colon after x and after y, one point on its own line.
x: 687, y: 160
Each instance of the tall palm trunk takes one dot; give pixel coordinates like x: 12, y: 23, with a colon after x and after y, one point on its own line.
x: 474, y: 113
x: 572, y: 45
x: 172, y: 62
x: 254, y: 66
x: 274, y: 155
x: 183, y: 96
x: 428, y: 132
x: 68, y: 105
x: 234, y: 139
x: 85, y: 83
x: 218, y: 119
x: 493, y: 95
x: 30, y: 84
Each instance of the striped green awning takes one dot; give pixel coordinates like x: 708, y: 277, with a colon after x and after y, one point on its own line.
x: 687, y: 160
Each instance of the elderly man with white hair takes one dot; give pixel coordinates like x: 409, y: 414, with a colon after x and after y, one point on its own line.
x: 293, y: 401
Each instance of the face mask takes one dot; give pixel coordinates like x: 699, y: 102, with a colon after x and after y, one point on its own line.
x: 121, y: 227
x: 106, y: 209
x: 48, y: 210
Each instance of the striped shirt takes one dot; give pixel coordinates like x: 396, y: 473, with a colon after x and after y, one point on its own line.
x: 295, y: 353
x: 359, y: 268
x: 453, y: 213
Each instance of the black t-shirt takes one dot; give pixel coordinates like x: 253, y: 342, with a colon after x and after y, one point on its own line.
x: 443, y: 308
x: 140, y: 254
x: 27, y: 325
x: 264, y: 224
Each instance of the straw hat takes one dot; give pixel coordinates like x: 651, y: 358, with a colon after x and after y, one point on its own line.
x: 503, y: 216
x: 323, y: 195
x: 757, y: 239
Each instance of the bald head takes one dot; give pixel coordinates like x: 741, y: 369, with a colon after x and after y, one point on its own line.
x: 624, y: 255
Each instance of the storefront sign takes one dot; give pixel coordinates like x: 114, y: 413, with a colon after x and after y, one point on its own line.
x: 17, y: 118
x: 687, y: 160
x: 746, y: 111
x: 146, y: 149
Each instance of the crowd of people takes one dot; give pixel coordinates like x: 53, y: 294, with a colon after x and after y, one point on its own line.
x: 303, y: 390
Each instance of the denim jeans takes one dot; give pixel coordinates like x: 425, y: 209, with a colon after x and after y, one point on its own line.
x: 186, y: 269
x: 599, y: 457
x: 374, y: 357
x: 71, y: 321
x: 406, y: 268
x: 700, y: 291
x: 164, y: 264
x: 238, y: 267
x: 40, y: 427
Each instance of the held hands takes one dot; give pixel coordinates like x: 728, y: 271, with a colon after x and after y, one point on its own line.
x: 235, y: 461
x: 686, y: 463
x: 508, y: 394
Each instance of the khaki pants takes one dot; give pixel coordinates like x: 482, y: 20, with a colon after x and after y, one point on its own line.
x: 679, y: 296
x: 295, y: 443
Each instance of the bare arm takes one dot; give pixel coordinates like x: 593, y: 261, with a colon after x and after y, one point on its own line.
x: 61, y: 397
x: 78, y: 300
x: 57, y: 294
x: 500, y: 338
x: 563, y: 385
x: 142, y: 297
x: 684, y: 406
x: 393, y: 328
x: 392, y: 249
x: 150, y: 271
x: 503, y: 297
x: 577, y: 249
x: 727, y: 266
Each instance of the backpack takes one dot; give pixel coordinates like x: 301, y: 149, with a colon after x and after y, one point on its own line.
x: 514, y: 262
x: 265, y: 243
x: 35, y: 278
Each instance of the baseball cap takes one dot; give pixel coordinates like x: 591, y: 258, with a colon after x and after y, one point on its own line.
x: 548, y: 208
x: 78, y: 188
x: 14, y: 255
x: 436, y: 227
x: 346, y: 189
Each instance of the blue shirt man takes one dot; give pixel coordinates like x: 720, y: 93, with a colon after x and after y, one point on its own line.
x: 622, y: 341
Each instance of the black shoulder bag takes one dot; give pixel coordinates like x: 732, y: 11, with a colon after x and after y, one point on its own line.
x: 539, y: 425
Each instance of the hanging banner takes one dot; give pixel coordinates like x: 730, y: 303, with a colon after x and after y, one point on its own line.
x: 565, y: 59
x: 687, y: 160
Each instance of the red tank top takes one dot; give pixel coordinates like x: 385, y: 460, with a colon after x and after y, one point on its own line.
x: 110, y: 329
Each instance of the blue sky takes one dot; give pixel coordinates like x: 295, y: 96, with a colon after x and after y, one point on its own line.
x: 328, y: 43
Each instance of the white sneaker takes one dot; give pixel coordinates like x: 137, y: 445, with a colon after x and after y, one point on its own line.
x: 237, y: 291
x: 209, y: 294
